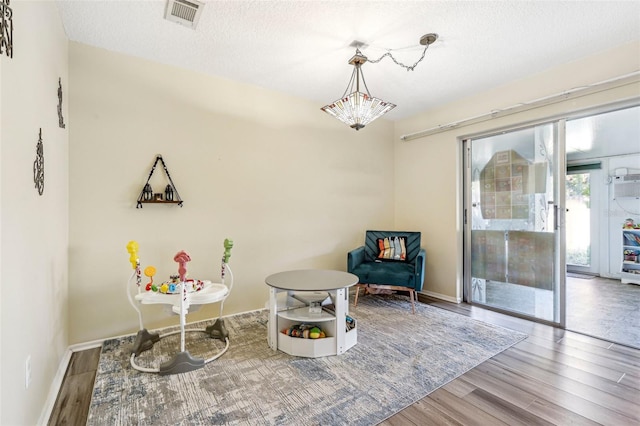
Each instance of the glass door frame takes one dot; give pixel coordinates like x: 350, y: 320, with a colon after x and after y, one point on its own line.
x: 560, y: 154
x: 559, y: 176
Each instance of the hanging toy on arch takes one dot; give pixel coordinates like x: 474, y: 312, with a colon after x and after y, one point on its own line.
x: 132, y: 248
x: 228, y: 245
x: 150, y: 271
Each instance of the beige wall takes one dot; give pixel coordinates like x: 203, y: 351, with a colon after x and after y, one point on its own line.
x: 428, y: 170
x: 34, y: 237
x: 293, y: 187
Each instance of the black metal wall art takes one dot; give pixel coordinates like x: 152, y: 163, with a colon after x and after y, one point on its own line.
x: 6, y: 28
x: 60, y: 117
x: 170, y: 195
x: 38, y: 166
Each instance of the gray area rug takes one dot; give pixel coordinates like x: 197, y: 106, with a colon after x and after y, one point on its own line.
x: 399, y: 359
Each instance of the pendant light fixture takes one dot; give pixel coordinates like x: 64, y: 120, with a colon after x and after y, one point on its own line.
x: 357, y: 109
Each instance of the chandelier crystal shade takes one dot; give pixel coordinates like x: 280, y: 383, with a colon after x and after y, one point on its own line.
x: 357, y: 109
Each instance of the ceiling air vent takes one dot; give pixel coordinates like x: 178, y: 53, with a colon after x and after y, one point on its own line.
x: 184, y: 12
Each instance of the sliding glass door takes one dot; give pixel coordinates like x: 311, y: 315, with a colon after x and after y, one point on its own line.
x: 513, y: 221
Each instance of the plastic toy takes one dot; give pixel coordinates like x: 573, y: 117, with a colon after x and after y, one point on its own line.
x: 314, y: 333
x: 305, y: 331
x: 150, y: 271
x: 181, y: 293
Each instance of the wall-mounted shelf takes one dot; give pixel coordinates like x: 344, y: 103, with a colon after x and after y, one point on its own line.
x: 170, y: 194
x: 159, y: 202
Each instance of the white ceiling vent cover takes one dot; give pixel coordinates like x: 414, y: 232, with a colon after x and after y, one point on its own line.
x: 184, y: 12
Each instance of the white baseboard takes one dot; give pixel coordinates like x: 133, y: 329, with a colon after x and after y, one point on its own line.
x: 79, y: 347
x: 442, y: 296
x: 54, y: 389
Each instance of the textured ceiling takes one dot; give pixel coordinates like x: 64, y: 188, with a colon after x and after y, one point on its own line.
x: 302, y: 47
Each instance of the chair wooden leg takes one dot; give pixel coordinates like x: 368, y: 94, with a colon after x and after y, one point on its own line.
x: 413, y: 306
x: 355, y: 300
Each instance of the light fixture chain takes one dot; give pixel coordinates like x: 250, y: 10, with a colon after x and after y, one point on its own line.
x: 408, y: 68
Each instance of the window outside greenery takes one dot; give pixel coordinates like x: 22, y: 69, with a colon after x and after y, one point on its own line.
x: 578, y: 193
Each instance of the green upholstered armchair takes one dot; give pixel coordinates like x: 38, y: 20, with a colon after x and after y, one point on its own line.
x: 391, y: 260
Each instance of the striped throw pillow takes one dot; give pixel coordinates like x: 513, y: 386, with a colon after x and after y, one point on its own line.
x: 392, y: 248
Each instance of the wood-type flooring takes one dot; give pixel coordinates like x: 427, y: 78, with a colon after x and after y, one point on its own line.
x: 552, y: 377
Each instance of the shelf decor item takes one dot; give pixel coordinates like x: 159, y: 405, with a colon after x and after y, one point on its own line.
x: 147, y: 195
x: 6, y: 28
x: 38, y: 166
x: 168, y: 193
